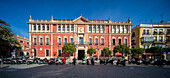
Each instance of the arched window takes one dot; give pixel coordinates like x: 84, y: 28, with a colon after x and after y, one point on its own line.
x: 98, y: 28
x: 72, y: 28
x: 43, y: 27
x: 63, y: 28
x: 59, y: 28
x: 90, y: 28
x: 94, y: 28
x: 48, y: 28
x: 39, y: 28
x: 68, y: 28
x: 102, y: 28
x: 34, y: 27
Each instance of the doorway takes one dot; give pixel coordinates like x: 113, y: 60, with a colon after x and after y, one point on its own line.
x: 80, y: 54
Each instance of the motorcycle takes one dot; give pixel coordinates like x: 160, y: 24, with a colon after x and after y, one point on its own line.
x: 121, y: 62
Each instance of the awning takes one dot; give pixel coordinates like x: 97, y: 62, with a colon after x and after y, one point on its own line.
x: 118, y: 54
x: 147, y: 53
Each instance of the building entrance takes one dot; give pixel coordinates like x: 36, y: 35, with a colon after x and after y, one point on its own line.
x: 81, y: 54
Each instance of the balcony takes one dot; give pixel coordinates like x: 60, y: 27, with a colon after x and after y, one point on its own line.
x: 161, y: 33
x: 146, y: 40
x: 155, y: 33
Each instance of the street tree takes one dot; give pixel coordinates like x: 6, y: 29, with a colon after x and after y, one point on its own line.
x: 138, y: 51
x: 122, y: 49
x: 68, y: 48
x: 155, y: 51
x: 91, y: 51
x: 106, y: 51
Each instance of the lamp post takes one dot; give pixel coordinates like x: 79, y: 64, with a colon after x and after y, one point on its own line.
x: 58, y: 49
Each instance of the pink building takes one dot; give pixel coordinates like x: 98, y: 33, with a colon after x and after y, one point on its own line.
x: 48, y: 36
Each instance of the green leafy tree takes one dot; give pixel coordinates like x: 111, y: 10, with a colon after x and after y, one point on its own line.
x: 91, y: 51
x: 7, y: 38
x: 68, y: 47
x: 137, y: 51
x: 122, y: 49
x: 155, y: 51
x: 106, y: 51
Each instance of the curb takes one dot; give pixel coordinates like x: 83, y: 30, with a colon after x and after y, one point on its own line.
x: 2, y: 67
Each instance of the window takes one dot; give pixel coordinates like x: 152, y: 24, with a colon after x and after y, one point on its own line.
x: 155, y: 38
x: 35, y: 41
x: 113, y: 41
x: 101, y: 53
x: 59, y: 28
x: 28, y: 43
x: 98, y: 28
x: 94, y: 28
x: 39, y: 28
x: 47, y: 52
x: 22, y: 47
x: 102, y: 28
x: 160, y: 39
x: 68, y: 28
x: 41, y: 41
x: 148, y: 31
x: 168, y: 31
x: 59, y: 52
x: 47, y: 41
x: 143, y: 31
x: 59, y: 41
x: 63, y: 28
x: 133, y: 34
x: 27, y: 48
x: 113, y: 29
x: 96, y: 41
x: 34, y: 27
x: 125, y: 41
x: 21, y: 41
x: 120, y: 41
x: 71, y: 40
x: 102, y: 41
x: 81, y: 40
x: 72, y: 28
x: 90, y: 28
x: 90, y: 41
x: 65, y: 40
x: 48, y: 28
x: 43, y: 27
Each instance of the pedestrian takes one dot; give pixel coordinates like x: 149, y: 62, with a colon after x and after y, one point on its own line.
x: 74, y: 61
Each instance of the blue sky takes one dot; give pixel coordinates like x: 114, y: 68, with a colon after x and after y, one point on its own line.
x: 16, y: 12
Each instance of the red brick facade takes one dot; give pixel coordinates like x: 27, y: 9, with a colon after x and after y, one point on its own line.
x: 78, y: 31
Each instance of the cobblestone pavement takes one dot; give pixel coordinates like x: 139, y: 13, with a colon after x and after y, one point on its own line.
x: 87, y: 71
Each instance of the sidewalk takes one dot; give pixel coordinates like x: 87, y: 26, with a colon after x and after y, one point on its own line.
x: 4, y: 66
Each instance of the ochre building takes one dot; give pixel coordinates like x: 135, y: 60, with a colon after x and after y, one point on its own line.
x: 47, y: 37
